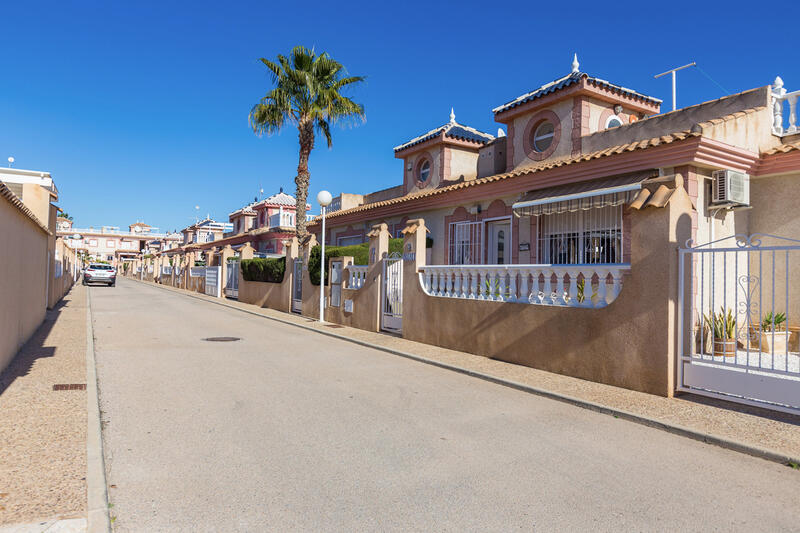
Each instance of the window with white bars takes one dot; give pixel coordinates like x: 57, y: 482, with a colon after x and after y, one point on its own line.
x: 590, y: 237
x: 466, y: 243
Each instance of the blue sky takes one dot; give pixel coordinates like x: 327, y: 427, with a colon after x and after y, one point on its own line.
x: 139, y: 109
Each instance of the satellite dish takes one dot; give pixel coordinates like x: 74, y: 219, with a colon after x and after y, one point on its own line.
x: 77, y: 236
x: 11, y: 161
x: 500, y: 133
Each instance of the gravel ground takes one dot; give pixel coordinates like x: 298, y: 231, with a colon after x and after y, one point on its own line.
x: 42, y: 431
x: 775, y: 431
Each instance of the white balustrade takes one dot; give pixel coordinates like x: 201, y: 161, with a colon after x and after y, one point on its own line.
x: 779, y: 96
x: 357, y: 276
x: 585, y: 286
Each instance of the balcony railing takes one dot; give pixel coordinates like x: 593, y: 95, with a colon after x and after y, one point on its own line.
x: 587, y: 286
x: 779, y: 96
x: 357, y: 275
x: 281, y: 220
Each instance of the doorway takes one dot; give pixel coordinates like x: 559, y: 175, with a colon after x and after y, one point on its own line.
x: 499, y: 242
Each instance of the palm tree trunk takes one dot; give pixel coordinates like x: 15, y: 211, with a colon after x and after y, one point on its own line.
x: 303, y: 177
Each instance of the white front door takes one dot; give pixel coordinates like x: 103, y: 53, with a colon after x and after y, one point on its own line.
x: 499, y: 240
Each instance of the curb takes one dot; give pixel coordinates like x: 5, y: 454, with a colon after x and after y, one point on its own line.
x: 97, y: 519
x: 763, y: 453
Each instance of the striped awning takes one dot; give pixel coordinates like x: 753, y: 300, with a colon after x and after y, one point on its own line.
x: 596, y: 193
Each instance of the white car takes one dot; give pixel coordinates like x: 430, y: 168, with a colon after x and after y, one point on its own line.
x: 100, y: 273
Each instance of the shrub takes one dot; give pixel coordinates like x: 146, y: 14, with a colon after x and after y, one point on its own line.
x: 268, y: 270
x: 359, y: 252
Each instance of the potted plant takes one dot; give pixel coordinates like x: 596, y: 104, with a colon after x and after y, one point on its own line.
x: 724, y: 327
x: 702, y: 339
x: 771, y: 341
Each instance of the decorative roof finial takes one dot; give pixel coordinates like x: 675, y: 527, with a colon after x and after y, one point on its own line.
x: 575, y: 64
x: 452, y: 116
x: 778, y: 83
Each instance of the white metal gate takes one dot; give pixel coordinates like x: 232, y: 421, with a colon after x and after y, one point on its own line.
x: 739, y: 320
x: 392, y: 297
x: 213, y: 286
x: 232, y: 279
x: 297, y: 286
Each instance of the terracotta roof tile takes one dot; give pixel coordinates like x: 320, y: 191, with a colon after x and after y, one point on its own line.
x: 784, y: 148
x: 731, y: 116
x: 543, y: 165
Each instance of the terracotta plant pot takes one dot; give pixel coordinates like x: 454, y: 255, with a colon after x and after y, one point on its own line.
x: 725, y: 347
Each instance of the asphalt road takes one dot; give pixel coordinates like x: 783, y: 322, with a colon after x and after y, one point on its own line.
x: 289, y: 430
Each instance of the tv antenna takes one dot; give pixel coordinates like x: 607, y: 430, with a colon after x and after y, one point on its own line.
x: 674, y: 89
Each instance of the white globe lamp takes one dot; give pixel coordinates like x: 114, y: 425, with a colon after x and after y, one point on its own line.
x: 324, y: 198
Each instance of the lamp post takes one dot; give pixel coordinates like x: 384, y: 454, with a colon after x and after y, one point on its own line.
x: 324, y: 198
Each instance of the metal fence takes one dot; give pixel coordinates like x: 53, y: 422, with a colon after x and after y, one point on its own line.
x: 739, y: 320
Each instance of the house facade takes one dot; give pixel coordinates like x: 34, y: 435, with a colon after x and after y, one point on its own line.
x: 593, y: 237
x: 115, y: 246
x: 560, y: 186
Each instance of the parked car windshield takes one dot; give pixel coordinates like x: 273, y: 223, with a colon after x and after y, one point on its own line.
x: 101, y: 267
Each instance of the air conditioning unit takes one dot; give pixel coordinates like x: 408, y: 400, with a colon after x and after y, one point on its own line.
x: 730, y: 187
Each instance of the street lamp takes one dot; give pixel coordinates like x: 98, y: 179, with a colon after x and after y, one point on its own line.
x: 324, y: 198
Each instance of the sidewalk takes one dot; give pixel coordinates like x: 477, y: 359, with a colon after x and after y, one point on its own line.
x: 42, y: 430
x: 773, y: 435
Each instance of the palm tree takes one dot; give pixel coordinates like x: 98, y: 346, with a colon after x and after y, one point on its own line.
x: 307, y: 94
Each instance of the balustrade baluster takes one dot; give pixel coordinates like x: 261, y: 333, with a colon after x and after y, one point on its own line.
x: 449, y: 292
x: 602, y: 278
x: 792, y: 114
x: 512, y: 285
x: 573, y: 288
x: 548, y: 286
x: 616, y: 285
x: 473, y: 283
x: 524, y: 294
x: 559, y: 292
x: 461, y: 274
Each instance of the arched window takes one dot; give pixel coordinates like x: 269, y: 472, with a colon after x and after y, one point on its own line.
x: 613, y: 121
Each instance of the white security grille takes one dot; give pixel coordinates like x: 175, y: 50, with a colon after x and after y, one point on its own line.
x: 589, y: 237
x: 466, y: 243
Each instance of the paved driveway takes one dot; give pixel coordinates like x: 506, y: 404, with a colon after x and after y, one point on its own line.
x: 290, y: 430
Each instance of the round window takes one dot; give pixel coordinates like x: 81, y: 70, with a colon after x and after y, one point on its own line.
x: 424, y: 171
x: 543, y: 136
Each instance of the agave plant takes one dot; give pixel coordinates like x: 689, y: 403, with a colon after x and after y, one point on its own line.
x: 773, y: 321
x: 724, y: 325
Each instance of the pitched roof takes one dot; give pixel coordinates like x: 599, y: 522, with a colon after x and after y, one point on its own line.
x: 452, y: 129
x: 246, y: 210
x: 280, y: 198
x: 566, y: 81
x: 542, y: 165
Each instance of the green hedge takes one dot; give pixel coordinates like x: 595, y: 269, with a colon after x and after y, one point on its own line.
x: 359, y: 252
x: 259, y: 269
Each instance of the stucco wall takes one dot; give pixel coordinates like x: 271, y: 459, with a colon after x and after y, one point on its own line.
x: 410, y: 165
x: 630, y: 343
x: 23, y: 279
x: 563, y: 110
x: 752, y: 131
x: 265, y: 294
x: 462, y: 163
x: 775, y: 212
